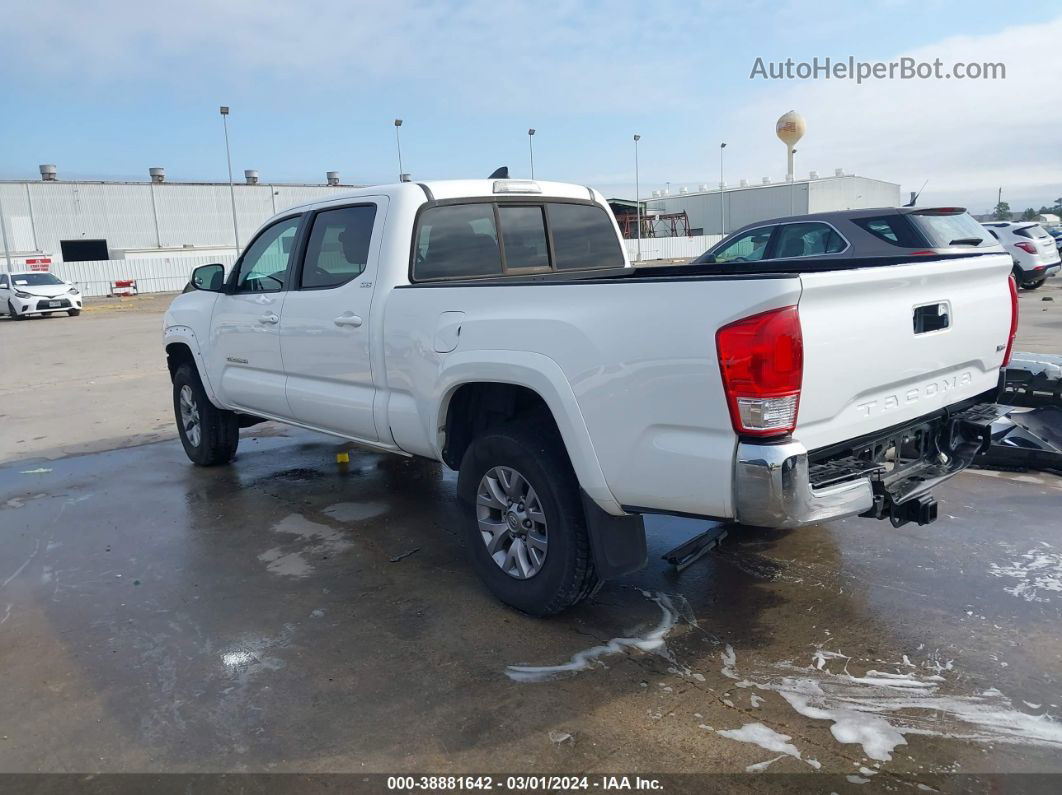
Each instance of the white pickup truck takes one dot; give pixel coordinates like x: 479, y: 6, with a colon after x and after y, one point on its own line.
x: 497, y: 326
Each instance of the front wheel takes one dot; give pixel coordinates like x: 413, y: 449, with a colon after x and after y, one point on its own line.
x: 210, y: 435
x: 1034, y: 285
x: 527, y: 534
x: 74, y: 312
x: 14, y: 315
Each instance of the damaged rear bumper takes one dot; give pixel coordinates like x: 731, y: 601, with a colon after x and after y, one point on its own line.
x: 889, y: 474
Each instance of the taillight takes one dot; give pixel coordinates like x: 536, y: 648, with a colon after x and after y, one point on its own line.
x: 1013, y: 319
x: 1028, y: 248
x: 761, y: 359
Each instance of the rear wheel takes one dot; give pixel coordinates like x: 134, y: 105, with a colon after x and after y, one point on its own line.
x: 1034, y: 285
x: 210, y: 435
x: 527, y: 534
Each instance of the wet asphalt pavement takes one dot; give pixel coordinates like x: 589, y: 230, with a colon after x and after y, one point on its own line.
x: 268, y: 616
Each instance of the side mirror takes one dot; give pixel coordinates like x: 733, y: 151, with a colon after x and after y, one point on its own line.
x: 210, y: 278
x: 706, y: 259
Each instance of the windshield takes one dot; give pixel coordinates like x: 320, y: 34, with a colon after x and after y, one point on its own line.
x: 34, y: 279
x: 956, y: 229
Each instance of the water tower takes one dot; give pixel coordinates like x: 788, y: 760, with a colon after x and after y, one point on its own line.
x: 790, y: 128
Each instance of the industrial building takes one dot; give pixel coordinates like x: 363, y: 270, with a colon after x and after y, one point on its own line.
x: 77, y: 221
x: 721, y: 211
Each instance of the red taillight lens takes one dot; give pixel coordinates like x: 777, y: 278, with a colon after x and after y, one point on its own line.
x: 761, y: 359
x: 1013, y: 319
x: 1028, y: 248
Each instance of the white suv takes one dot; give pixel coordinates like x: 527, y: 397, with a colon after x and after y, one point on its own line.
x: 1034, y: 251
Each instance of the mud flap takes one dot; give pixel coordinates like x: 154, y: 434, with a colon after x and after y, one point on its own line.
x: 616, y: 542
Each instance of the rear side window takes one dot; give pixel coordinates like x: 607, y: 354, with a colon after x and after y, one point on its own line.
x: 583, y: 237
x: 338, y: 249
x: 950, y: 229
x: 808, y: 240
x: 892, y: 229
x: 457, y: 241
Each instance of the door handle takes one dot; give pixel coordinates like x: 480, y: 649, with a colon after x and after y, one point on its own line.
x: 269, y: 318
x: 347, y: 319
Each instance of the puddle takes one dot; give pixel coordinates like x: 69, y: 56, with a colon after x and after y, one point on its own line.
x: 317, y: 541
x: 355, y: 511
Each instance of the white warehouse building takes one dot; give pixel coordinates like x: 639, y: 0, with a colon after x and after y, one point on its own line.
x: 69, y: 221
x: 715, y: 211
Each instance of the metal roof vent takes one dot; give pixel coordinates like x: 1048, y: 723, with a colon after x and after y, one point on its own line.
x: 702, y: 187
x: 766, y: 181
x: 744, y: 183
x: 684, y: 190
x: 48, y: 173
x: 251, y: 176
x: 157, y: 174
x: 838, y: 172
x: 813, y: 175
x: 332, y: 177
x: 656, y: 194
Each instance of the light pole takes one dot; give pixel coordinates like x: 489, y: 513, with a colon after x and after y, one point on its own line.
x: 637, y: 197
x: 792, y: 181
x: 722, y: 212
x: 232, y: 190
x: 3, y: 230
x: 531, y: 149
x: 398, y: 143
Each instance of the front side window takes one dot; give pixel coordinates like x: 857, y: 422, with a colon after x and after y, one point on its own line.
x: 264, y: 267
x: 457, y: 241
x: 583, y: 237
x: 749, y: 247
x: 3, y: 282
x: 338, y: 248
x: 807, y: 240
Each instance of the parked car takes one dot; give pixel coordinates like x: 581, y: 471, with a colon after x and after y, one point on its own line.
x: 1056, y: 233
x: 877, y: 233
x: 498, y: 327
x: 36, y: 293
x: 1035, y: 252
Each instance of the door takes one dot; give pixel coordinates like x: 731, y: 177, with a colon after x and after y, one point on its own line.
x: 5, y: 293
x: 325, y: 329
x: 244, y: 351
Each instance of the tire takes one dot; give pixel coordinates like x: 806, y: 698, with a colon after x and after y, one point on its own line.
x: 1034, y: 285
x: 74, y: 312
x: 14, y: 315
x: 210, y: 435
x: 564, y: 575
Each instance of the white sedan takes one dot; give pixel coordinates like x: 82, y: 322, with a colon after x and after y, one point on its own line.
x: 25, y: 294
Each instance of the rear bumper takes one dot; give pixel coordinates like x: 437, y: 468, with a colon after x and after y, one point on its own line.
x: 774, y: 485
x: 773, y: 489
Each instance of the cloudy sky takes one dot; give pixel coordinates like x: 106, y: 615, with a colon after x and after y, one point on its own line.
x: 106, y: 89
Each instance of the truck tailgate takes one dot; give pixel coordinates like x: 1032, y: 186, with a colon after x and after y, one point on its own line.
x: 878, y: 350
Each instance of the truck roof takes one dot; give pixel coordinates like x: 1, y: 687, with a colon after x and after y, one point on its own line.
x: 443, y: 189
